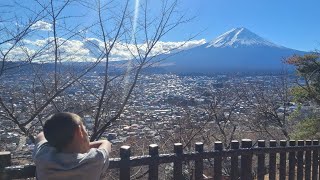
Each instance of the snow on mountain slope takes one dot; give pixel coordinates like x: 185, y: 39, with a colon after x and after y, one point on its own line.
x: 240, y: 37
x: 238, y: 50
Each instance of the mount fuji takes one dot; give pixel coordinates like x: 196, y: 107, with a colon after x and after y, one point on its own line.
x: 236, y: 50
x: 240, y: 37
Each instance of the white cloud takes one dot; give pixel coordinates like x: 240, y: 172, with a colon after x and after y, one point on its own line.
x: 91, y: 48
x: 121, y: 52
x: 19, y: 53
x: 42, y: 25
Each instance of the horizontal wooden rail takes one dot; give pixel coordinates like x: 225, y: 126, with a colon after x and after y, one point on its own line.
x: 246, y: 152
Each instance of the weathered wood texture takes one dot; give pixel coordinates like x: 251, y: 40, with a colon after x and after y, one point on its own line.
x: 199, y: 162
x: 303, y: 161
x: 261, y: 161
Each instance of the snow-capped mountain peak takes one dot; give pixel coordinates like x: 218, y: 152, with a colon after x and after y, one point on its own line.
x: 240, y: 37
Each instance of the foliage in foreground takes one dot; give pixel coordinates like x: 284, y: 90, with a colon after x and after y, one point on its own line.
x: 308, y: 90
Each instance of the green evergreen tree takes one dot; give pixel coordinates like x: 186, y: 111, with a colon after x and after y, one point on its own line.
x: 308, y: 90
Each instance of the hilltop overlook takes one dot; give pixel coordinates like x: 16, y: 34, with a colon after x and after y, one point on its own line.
x: 198, y: 84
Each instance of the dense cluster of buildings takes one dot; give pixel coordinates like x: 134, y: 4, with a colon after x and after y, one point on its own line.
x: 158, y: 104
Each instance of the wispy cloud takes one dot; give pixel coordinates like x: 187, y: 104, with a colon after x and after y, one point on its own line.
x: 42, y: 25
x: 91, y: 48
x: 122, y: 51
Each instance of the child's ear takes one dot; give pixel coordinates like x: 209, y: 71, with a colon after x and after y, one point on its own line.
x: 83, y: 130
x: 79, y: 131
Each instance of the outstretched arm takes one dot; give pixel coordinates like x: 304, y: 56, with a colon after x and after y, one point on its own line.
x: 101, y: 144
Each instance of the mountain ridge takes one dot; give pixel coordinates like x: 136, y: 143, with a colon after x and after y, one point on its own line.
x: 238, y: 49
x: 240, y: 37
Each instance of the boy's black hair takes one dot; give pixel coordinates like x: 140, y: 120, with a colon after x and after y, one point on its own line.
x: 60, y: 128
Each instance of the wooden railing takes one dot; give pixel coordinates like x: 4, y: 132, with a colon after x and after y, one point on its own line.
x: 275, y: 160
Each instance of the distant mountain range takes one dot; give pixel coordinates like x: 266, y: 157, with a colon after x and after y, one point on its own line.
x: 236, y: 50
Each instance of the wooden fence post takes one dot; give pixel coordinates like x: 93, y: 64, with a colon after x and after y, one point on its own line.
x: 177, y: 165
x: 307, y: 170
x: 217, y: 169
x: 5, y: 160
x: 315, y: 162
x: 292, y: 161
x: 246, y: 161
x: 272, y: 161
x: 125, y: 153
x: 283, y: 160
x: 300, y: 161
x: 234, y: 161
x: 199, y: 162
x: 154, y: 166
x: 307, y: 166
x: 261, y: 161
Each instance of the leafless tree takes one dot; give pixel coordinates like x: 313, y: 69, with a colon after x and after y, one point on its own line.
x: 270, y: 106
x: 48, y: 90
x: 140, y: 38
x: 226, y: 115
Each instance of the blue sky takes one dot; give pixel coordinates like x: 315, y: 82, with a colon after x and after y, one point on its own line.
x: 291, y: 23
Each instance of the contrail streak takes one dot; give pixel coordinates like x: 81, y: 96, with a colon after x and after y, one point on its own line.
x: 133, y: 32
